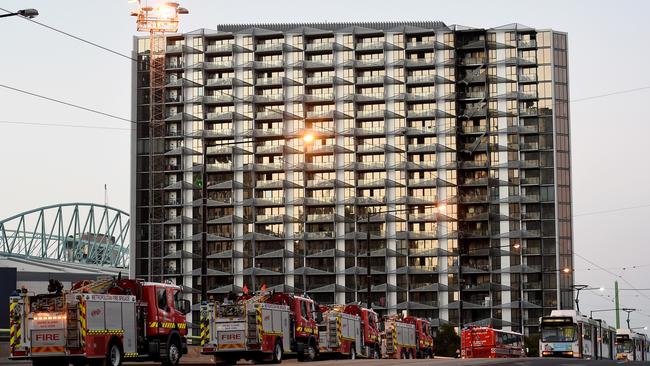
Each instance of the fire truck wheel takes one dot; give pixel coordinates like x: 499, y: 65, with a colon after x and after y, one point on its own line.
x: 377, y: 354
x: 173, y: 353
x: 114, y: 356
x: 353, y: 352
x: 277, y: 352
x: 311, y: 351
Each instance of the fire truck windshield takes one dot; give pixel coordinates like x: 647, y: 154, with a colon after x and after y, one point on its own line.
x: 558, y: 333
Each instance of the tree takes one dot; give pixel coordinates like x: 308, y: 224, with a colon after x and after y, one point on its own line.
x: 446, y: 341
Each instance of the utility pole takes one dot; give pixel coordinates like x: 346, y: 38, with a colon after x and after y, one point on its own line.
x: 618, y: 307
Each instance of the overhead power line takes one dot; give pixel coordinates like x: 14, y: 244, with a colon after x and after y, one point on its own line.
x: 74, y: 37
x: 613, y: 274
x: 611, y: 210
x: 63, y: 125
x: 87, y: 109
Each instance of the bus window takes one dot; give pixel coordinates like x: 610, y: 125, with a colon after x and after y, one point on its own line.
x: 586, y: 331
x: 561, y: 333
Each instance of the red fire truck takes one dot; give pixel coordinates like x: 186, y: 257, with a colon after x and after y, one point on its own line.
x: 99, y: 322
x: 370, y: 344
x: 261, y: 327
x: 423, y: 338
x: 486, y: 342
x: 398, y: 338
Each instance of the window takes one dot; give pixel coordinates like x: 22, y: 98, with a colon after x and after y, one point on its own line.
x: 161, y: 294
x: 178, y: 300
x: 303, y: 309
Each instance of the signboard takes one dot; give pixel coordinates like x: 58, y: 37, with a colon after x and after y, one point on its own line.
x: 52, y: 337
x: 221, y: 327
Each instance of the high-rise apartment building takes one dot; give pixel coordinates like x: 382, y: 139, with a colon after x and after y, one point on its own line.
x: 448, y: 145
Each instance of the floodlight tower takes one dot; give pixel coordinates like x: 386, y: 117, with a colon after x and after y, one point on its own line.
x: 157, y: 20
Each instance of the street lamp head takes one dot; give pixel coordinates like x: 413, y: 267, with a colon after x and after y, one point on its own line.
x: 441, y: 207
x: 28, y: 13
x: 602, y: 289
x: 566, y: 270
x: 517, y: 246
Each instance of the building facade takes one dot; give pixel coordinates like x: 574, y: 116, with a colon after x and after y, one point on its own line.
x: 447, y: 145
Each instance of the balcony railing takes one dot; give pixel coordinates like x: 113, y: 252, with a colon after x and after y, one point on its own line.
x: 472, y: 61
x: 218, y: 65
x: 320, y: 80
x: 361, y: 46
x: 421, y: 79
x: 319, y: 46
x: 531, y: 43
x: 527, y: 78
x: 269, y: 81
x: 371, y: 114
x: 219, y: 48
x: 269, y: 47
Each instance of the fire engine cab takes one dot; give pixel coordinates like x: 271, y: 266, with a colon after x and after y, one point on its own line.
x: 99, y: 322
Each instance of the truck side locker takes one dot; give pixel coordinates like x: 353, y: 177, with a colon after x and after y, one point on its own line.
x: 252, y: 336
x: 72, y: 326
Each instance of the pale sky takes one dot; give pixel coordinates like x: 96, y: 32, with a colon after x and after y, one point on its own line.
x: 607, y: 53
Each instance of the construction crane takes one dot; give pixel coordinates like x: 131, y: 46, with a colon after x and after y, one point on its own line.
x: 157, y: 19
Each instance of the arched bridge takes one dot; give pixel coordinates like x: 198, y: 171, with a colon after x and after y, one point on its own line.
x: 71, y: 232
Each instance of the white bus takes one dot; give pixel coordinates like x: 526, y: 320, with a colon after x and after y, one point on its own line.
x: 632, y: 346
x: 567, y: 333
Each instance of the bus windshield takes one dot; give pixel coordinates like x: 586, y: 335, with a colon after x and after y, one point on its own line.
x: 624, y: 346
x: 562, y: 333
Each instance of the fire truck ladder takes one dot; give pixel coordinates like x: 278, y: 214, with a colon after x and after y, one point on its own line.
x: 72, y: 326
x: 96, y: 287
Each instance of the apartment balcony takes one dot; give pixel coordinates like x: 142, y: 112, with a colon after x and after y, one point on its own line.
x: 423, y: 182
x: 418, y: 63
x: 471, y: 164
x: 177, y: 99
x: 328, y: 217
x: 421, y: 131
x: 321, y: 235
x: 174, y: 65
x: 370, y: 166
x: 318, y: 64
x: 219, y: 167
x: 370, y: 46
x: 421, y: 80
x: 527, y: 78
x: 474, y: 181
x: 269, y: 99
x: 472, y: 95
x: 371, y: 114
x: 318, y: 98
x: 320, y: 80
x: 369, y: 64
x: 416, y: 46
x: 530, y: 181
x: 269, y: 47
x: 269, y: 115
x: 268, y: 65
x: 371, y: 183
x: 268, y: 201
x: 319, y: 167
x: 219, y: 116
x: 319, y: 47
x: 527, y: 44
x: 470, y: 130
x: 529, y: 164
x: 370, y: 80
x: 219, y: 132
x: 218, y: 99
x: 474, y: 198
x: 529, y: 146
x: 422, y: 113
x: 219, y: 83
x: 273, y: 81
x: 375, y: 131
x: 270, y: 167
x: 219, y: 65
x: 420, y: 97
x: 321, y: 115
x: 174, y: 49
x: 527, y: 60
x: 268, y: 132
x: 531, y: 216
x: 219, y: 49
x: 472, y: 61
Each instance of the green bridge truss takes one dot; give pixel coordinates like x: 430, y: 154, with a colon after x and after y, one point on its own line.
x: 71, y: 232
